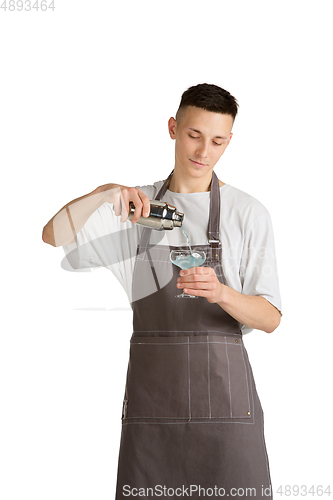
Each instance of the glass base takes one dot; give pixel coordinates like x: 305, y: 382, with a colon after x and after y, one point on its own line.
x: 186, y: 296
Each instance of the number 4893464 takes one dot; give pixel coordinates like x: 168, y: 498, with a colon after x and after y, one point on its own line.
x: 26, y: 5
x: 303, y: 490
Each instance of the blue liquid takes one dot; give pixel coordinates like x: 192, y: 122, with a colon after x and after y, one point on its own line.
x: 188, y: 261
x: 188, y: 241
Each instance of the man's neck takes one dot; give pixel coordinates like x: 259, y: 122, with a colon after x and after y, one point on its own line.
x: 181, y: 185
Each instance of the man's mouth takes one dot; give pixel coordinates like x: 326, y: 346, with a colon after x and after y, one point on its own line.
x: 198, y: 164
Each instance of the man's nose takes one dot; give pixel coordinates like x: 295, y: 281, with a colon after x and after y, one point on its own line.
x: 202, y: 150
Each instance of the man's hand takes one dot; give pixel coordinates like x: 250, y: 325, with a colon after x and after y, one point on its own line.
x: 201, y: 281
x: 254, y: 311
x: 121, y: 196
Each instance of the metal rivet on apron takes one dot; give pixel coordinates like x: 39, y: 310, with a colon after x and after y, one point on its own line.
x: 249, y: 413
x: 236, y: 340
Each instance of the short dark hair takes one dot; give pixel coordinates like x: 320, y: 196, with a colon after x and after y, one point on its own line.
x: 209, y: 97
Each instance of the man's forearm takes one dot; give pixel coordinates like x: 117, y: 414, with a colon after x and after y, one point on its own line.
x: 252, y: 311
x: 62, y: 228
x: 68, y: 222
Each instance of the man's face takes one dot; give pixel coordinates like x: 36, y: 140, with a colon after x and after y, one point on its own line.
x: 201, y: 139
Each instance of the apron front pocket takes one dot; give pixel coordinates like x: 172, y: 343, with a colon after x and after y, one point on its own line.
x: 157, y: 384
x: 189, y: 378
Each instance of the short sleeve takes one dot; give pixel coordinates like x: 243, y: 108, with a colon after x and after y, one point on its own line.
x: 258, y: 267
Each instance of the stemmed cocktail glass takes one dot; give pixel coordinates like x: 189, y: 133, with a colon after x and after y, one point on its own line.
x: 185, y: 259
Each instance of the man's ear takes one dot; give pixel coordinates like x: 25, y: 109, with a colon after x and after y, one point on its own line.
x: 231, y: 134
x: 172, y: 126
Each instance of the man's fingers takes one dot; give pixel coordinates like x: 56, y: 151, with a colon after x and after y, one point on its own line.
x: 206, y: 270
x: 117, y: 202
x: 197, y: 277
x: 124, y: 205
x: 198, y: 285
x: 124, y: 197
x: 135, y: 198
x: 146, y: 204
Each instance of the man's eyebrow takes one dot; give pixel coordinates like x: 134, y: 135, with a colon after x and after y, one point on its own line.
x: 216, y: 137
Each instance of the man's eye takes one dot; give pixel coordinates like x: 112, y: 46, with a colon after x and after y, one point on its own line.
x: 193, y: 137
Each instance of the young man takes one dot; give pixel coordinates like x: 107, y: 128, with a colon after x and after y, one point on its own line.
x: 191, y: 414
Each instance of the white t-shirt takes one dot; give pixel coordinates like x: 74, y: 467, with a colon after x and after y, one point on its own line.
x: 246, y: 234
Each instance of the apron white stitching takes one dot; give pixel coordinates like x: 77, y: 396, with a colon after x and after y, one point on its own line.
x: 188, y: 422
x: 226, y: 351
x: 182, y: 343
x: 247, y: 382
x: 187, y: 331
x: 189, y: 385
x: 208, y: 378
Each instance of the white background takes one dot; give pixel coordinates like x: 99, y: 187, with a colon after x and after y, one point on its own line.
x: 86, y: 91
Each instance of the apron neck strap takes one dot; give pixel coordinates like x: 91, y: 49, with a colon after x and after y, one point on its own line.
x: 214, y: 216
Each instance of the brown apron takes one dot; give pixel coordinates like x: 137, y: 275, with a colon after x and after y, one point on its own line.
x: 191, y: 412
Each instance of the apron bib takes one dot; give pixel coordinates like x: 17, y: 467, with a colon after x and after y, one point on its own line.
x: 191, y: 414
